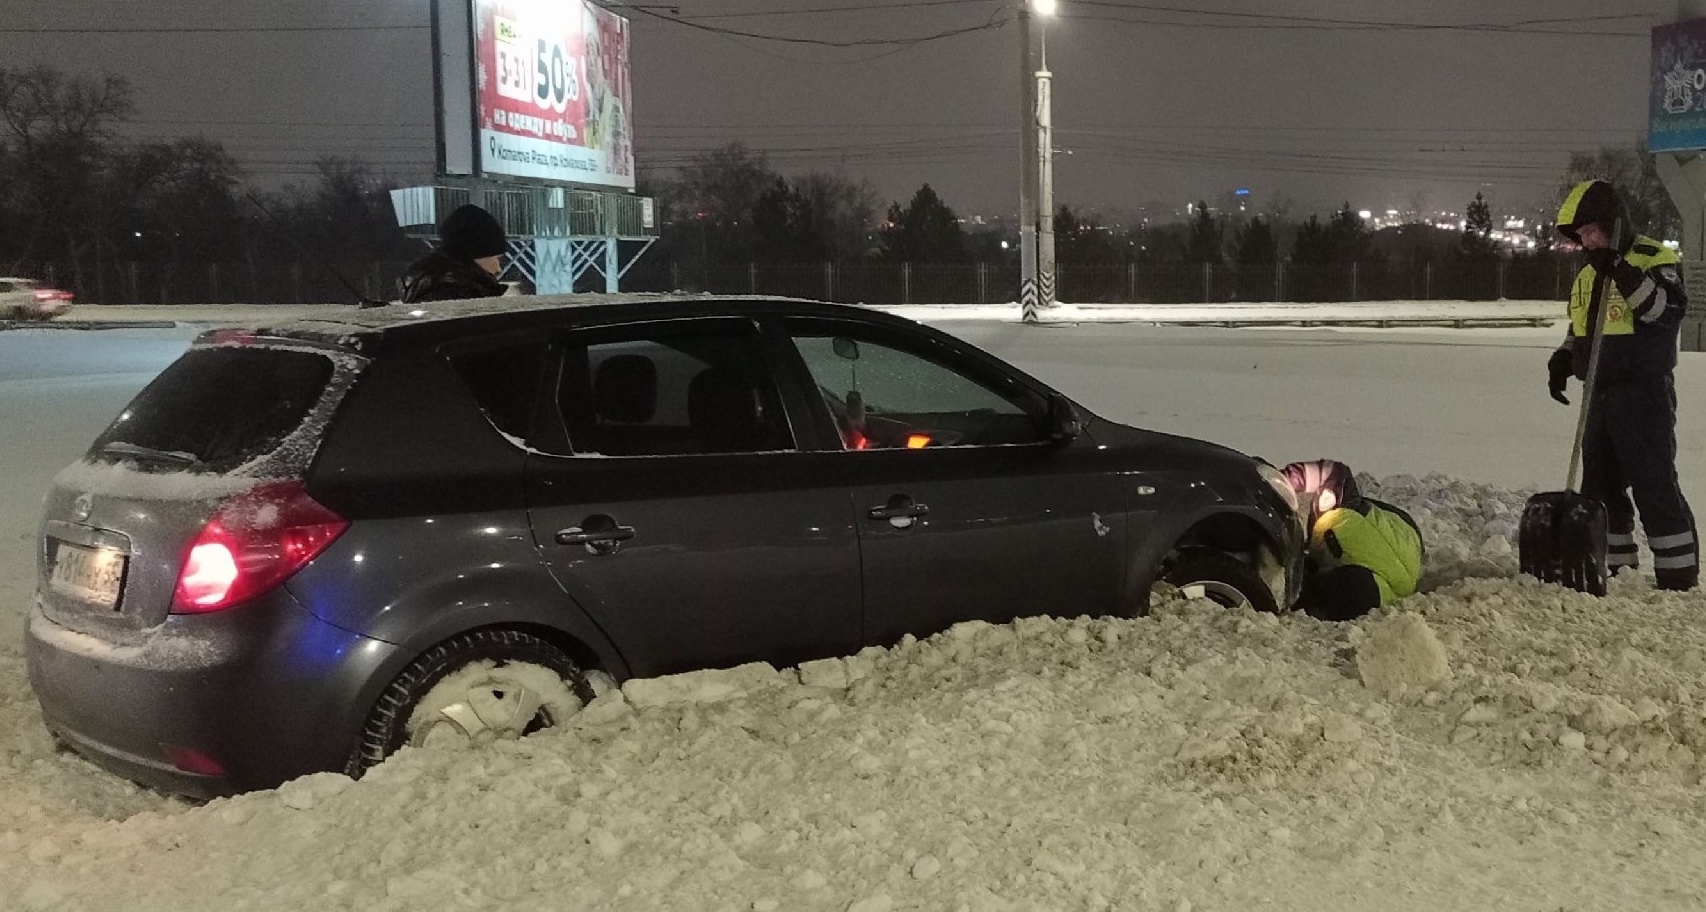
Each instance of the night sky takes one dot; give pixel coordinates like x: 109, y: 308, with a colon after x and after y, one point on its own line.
x: 1315, y: 103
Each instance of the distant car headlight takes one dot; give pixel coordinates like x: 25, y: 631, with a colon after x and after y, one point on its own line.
x: 1276, y: 480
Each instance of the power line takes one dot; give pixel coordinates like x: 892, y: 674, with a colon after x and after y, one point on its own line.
x: 238, y: 122
x: 995, y: 21
x: 207, y: 30
x: 1272, y: 21
x: 869, y: 7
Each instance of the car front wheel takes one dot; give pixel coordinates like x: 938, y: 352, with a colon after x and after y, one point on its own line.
x: 1220, y: 578
x: 471, y: 690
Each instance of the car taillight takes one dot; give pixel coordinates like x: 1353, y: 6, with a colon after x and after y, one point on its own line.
x: 253, y: 542
x: 49, y: 294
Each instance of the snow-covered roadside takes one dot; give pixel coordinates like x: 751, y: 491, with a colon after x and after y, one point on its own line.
x: 1520, y: 748
x: 1492, y: 744
x: 1066, y: 313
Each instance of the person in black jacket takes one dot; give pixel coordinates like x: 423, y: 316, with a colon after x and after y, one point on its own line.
x: 466, y: 263
x: 1630, y: 441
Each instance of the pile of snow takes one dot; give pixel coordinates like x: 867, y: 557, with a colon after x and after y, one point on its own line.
x: 1490, y: 743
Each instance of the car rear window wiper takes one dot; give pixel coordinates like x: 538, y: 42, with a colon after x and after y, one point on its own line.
x: 135, y: 451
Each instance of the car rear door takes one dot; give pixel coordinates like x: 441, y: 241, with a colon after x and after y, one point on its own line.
x: 966, y: 510
x: 670, y: 499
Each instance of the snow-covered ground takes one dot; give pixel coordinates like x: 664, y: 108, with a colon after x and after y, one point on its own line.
x: 1490, y: 744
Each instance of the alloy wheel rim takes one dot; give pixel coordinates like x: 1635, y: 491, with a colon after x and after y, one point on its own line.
x: 487, y: 711
x: 1215, y: 591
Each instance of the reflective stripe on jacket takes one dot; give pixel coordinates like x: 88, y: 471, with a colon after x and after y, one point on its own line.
x: 1646, y: 298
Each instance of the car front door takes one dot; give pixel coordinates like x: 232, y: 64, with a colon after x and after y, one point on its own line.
x: 669, y: 498
x: 967, y: 510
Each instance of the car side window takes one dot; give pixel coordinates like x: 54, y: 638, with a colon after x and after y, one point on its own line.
x: 504, y: 381
x: 670, y: 391
x: 885, y: 397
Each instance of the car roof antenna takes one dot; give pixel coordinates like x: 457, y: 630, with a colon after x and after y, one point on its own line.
x: 360, y: 298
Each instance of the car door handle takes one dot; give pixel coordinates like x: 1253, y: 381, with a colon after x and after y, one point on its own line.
x: 900, y: 507
x: 577, y: 536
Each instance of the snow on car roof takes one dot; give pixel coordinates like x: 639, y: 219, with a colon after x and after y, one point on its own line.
x: 353, y: 320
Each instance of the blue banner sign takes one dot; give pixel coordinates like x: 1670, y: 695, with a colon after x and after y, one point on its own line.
x: 1676, y: 120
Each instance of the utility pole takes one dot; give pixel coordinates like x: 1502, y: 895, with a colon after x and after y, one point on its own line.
x: 1028, y: 149
x: 1045, y: 180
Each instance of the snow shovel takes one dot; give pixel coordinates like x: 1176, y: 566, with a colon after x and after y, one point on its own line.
x: 1562, y: 536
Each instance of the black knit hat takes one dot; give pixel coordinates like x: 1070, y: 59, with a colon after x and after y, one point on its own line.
x: 1591, y: 202
x: 471, y: 233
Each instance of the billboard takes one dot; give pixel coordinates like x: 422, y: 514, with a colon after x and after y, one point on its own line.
x: 1676, y: 104
x: 553, y: 98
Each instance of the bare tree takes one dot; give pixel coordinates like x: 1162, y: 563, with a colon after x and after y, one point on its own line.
x: 843, y: 212
x: 56, y: 143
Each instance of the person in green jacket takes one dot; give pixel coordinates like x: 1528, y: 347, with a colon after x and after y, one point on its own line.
x: 1629, y: 445
x: 1363, y: 553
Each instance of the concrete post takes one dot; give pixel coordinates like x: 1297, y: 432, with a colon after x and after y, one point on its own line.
x: 1046, y: 272
x: 1027, y: 170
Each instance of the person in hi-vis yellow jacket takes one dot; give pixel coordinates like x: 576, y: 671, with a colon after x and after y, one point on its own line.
x: 1363, y: 553
x: 1630, y: 442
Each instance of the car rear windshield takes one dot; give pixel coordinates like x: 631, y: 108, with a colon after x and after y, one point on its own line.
x: 215, y: 409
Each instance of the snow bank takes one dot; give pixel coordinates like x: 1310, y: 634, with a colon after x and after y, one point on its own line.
x: 1490, y: 743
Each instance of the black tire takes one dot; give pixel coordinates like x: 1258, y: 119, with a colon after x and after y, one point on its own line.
x: 387, y: 727
x: 1220, y: 578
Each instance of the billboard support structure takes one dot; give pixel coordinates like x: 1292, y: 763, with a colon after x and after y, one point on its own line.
x: 558, y: 236
x: 533, y: 103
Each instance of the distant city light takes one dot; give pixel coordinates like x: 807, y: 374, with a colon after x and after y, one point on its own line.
x: 1242, y: 191
x: 1365, y: 214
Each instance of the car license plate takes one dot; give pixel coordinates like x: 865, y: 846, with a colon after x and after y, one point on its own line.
x: 93, y: 575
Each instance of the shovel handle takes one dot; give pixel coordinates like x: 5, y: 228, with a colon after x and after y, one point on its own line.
x: 1597, y: 334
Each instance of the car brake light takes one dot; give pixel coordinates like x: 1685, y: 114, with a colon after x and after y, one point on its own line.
x: 235, y: 337
x: 49, y: 294
x: 254, y: 542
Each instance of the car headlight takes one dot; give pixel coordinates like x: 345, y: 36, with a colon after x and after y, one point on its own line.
x: 1276, y: 480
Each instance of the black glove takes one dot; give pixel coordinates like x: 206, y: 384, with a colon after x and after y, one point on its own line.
x: 1604, y: 260
x: 1559, y: 367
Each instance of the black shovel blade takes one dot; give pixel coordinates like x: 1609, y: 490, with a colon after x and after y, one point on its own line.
x: 1562, y: 540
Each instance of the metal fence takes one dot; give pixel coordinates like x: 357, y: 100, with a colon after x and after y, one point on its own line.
x: 265, y: 282
x: 986, y: 283
x: 868, y: 283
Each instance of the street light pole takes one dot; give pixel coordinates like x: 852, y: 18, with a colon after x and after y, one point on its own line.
x: 1045, y: 179
x: 1027, y: 169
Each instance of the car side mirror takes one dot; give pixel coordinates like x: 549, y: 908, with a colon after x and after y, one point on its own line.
x: 1063, y: 424
x: 845, y: 348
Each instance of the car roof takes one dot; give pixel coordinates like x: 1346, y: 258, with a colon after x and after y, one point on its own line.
x: 428, y: 324
x: 19, y: 279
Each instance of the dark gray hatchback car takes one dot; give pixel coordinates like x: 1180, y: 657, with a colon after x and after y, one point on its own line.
x: 301, y: 548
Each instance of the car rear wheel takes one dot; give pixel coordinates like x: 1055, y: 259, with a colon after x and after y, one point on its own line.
x: 471, y: 690
x: 1218, y: 577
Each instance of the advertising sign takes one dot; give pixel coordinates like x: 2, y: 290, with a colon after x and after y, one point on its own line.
x: 553, y: 93
x: 1676, y: 107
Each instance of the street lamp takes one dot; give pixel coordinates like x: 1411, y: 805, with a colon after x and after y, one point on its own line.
x: 1036, y: 183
